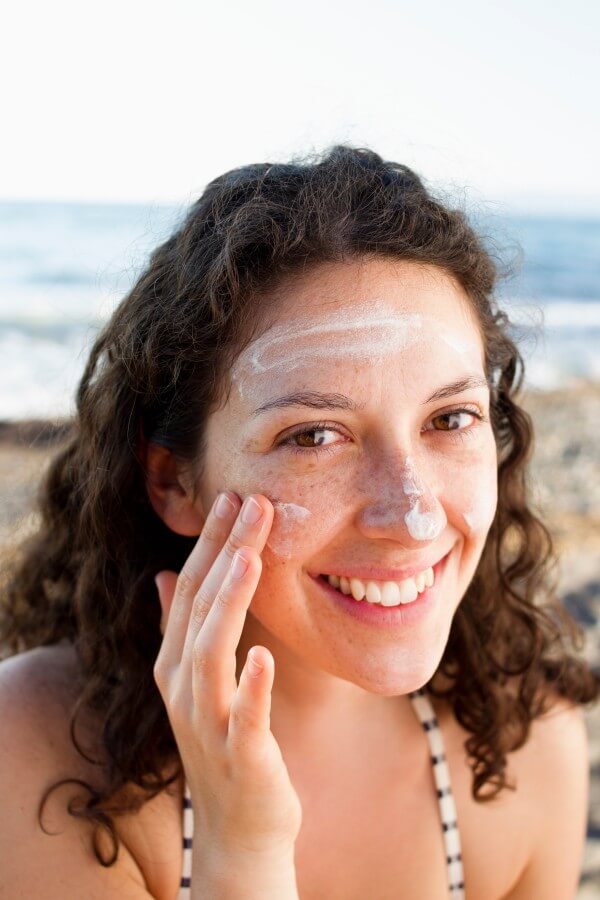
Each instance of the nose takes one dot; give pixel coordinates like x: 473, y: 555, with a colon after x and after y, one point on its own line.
x: 405, y: 510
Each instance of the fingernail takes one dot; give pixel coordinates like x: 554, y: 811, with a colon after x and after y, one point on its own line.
x: 224, y: 507
x: 251, y: 512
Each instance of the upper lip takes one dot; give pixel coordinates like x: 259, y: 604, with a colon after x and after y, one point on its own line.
x: 375, y: 573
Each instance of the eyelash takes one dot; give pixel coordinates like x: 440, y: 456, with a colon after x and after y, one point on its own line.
x: 454, y: 434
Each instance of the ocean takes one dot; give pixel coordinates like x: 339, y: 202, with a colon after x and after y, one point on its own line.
x: 65, y: 267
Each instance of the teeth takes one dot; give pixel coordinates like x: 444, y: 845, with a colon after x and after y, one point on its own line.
x: 357, y: 588
x: 390, y: 594
x: 386, y: 593
x: 373, y: 593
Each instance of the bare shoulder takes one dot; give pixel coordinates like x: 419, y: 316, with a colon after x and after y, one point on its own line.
x: 538, y: 827
x: 557, y: 748
x: 37, y: 692
x: 553, y: 774
x: 51, y: 669
x: 557, y: 739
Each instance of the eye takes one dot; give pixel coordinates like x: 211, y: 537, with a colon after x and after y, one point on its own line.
x: 459, y: 420
x: 318, y: 438
x: 313, y: 439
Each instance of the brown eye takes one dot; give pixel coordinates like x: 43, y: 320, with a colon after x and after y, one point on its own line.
x: 318, y: 439
x: 451, y: 421
x: 457, y: 420
x: 312, y: 437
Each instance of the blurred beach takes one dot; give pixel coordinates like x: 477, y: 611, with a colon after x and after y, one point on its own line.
x: 64, y: 268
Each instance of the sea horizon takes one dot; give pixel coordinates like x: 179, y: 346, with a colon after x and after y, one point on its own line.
x: 65, y: 266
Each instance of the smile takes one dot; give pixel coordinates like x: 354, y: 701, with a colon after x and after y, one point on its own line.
x: 397, y: 615
x: 386, y: 593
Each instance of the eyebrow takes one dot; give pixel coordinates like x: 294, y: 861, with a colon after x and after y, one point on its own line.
x: 457, y: 387
x: 312, y: 399
x: 319, y: 400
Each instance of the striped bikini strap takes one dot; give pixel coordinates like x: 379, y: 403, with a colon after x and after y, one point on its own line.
x: 188, y: 835
x: 441, y: 774
x: 426, y: 715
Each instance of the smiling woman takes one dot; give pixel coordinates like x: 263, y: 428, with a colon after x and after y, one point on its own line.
x: 303, y: 423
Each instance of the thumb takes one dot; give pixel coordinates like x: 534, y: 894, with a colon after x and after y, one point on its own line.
x: 165, y: 582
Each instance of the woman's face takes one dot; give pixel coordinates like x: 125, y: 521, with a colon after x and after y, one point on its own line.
x: 391, y: 470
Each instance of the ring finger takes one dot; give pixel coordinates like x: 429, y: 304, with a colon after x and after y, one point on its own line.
x: 212, y: 538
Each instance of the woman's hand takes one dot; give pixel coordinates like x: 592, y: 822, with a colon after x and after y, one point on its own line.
x: 242, y: 796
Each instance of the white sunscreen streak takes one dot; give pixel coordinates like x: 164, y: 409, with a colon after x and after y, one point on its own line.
x: 422, y: 526
x: 479, y: 518
x: 287, y: 515
x: 287, y: 347
x: 459, y: 346
x: 366, y: 337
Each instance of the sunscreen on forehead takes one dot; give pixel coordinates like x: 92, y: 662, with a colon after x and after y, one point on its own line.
x: 367, y: 336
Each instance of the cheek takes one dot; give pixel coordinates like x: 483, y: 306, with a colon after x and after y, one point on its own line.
x: 475, y: 497
x: 292, y: 523
x: 305, y: 517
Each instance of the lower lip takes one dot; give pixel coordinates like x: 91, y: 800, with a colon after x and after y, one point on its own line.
x: 405, y: 615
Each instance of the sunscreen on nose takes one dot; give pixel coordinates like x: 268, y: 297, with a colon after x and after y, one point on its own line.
x: 423, y: 525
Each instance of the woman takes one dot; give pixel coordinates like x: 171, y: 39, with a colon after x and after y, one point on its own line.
x: 354, y: 679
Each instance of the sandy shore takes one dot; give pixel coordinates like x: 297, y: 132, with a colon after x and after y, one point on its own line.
x: 565, y: 481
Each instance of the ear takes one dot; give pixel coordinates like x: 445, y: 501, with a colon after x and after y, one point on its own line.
x: 169, y: 490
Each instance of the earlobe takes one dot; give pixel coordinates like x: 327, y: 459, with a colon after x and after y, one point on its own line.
x: 168, y: 491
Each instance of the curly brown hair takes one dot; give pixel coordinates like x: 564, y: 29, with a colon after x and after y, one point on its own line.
x: 156, y: 371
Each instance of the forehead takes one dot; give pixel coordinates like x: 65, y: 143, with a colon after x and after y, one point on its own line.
x: 359, y: 311
x: 405, y: 285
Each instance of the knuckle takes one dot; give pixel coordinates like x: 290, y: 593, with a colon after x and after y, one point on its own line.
x: 202, y: 661
x: 185, y: 580
x: 225, y: 596
x: 159, y: 673
x: 232, y: 545
x: 211, y: 532
x: 200, y: 607
x: 242, y: 719
x: 171, y: 701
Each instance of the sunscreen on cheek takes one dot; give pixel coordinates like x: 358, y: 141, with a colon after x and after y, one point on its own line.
x: 287, y: 526
x: 480, y: 515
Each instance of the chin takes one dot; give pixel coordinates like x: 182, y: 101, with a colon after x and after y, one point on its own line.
x: 390, y: 678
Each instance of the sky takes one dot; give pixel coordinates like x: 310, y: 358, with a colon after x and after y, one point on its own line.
x: 127, y: 101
